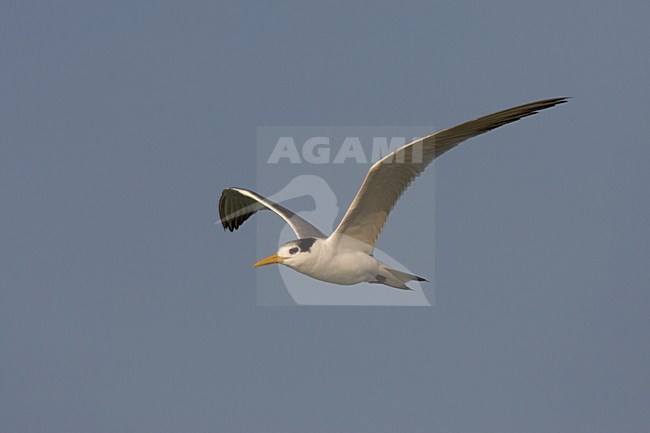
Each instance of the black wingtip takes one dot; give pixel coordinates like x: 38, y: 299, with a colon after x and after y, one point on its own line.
x: 557, y: 101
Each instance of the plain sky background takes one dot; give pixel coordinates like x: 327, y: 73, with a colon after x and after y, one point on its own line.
x: 123, y: 308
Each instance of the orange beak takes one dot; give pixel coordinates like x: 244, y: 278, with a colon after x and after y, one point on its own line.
x: 269, y: 260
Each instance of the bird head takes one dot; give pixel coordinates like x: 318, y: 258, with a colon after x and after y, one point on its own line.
x: 292, y: 254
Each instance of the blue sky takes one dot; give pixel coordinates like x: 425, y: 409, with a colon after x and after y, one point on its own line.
x: 124, y: 308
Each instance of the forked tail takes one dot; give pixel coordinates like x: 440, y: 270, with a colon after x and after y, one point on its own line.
x: 394, y: 278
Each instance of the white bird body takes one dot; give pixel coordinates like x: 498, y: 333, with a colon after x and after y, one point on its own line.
x: 345, y: 257
x: 351, y: 267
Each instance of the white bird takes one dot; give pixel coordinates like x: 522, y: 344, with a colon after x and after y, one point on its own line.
x: 345, y: 257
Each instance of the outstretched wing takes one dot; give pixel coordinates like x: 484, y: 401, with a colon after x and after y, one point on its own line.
x: 236, y: 205
x: 389, y: 177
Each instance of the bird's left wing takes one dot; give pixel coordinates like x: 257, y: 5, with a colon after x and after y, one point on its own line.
x: 389, y: 177
x: 236, y: 205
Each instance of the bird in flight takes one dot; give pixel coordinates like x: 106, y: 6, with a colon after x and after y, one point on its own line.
x: 345, y: 257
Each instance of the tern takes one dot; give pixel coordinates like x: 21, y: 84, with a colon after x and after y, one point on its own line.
x: 346, y: 256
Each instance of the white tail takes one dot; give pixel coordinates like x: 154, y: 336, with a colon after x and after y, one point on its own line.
x: 394, y: 278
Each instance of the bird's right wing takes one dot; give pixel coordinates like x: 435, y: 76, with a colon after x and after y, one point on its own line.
x: 389, y: 177
x: 236, y: 205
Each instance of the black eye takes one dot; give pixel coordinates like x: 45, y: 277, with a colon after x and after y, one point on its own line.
x: 293, y: 250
